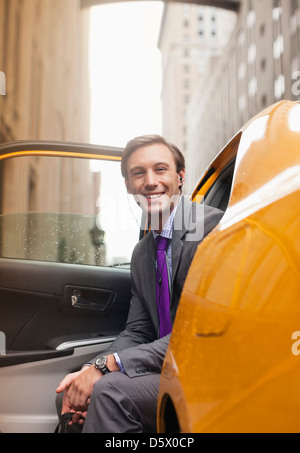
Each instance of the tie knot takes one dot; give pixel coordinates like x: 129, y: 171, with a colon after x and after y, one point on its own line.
x: 161, y: 243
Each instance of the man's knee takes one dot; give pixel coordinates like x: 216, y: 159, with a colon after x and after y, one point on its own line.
x: 122, y: 404
x: 108, y: 384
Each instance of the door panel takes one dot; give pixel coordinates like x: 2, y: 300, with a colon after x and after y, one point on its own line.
x: 36, y: 309
x: 38, y: 380
x: 43, y: 330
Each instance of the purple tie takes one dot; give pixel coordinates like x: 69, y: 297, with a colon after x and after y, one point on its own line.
x: 162, y: 287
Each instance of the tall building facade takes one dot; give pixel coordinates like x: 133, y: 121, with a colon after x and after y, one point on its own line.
x: 44, y: 56
x: 190, y: 36
x: 260, y: 65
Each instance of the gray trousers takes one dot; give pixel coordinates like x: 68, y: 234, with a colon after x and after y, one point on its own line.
x: 120, y: 404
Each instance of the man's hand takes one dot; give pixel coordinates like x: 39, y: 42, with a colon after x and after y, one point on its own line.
x: 81, y: 387
x: 67, y: 380
x: 78, y: 416
x: 78, y: 386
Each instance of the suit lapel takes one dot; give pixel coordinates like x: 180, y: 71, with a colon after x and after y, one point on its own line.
x: 176, y: 252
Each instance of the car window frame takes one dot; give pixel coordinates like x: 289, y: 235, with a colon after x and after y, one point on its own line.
x: 62, y: 149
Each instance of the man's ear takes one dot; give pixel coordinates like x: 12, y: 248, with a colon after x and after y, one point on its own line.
x: 181, y: 177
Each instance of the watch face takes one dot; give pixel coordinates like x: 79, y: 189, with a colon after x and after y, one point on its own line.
x: 100, y: 362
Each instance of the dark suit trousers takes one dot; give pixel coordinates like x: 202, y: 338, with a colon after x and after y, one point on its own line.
x: 120, y: 404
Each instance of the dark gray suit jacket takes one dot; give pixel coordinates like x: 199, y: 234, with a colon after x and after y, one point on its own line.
x: 139, y: 347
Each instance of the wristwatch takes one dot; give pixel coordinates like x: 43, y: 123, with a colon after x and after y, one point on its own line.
x: 100, y: 364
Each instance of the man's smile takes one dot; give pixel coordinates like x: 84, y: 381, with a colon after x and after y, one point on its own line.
x: 153, y: 196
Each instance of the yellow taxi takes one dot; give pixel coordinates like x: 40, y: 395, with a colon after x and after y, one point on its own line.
x: 233, y: 362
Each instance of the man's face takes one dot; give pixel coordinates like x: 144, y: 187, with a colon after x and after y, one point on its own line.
x: 153, y: 179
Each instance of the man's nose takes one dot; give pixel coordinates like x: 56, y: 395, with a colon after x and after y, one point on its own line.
x: 150, y: 179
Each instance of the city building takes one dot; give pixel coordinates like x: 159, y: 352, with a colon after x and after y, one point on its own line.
x: 259, y: 65
x: 44, y: 96
x: 44, y: 56
x: 190, y: 37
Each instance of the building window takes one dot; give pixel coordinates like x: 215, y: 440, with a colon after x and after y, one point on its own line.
x: 186, y: 83
x: 264, y: 100
x: 293, y: 24
x: 251, y: 18
x: 213, y: 30
x: 252, y: 54
x: 262, y: 29
x: 252, y: 88
x: 278, y: 47
x: 186, y: 53
x: 277, y: 11
x: 263, y: 64
x: 201, y: 29
x: 279, y: 87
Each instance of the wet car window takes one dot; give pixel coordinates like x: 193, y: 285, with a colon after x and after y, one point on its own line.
x: 66, y: 210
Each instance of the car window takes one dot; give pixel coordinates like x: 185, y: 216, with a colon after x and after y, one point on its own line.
x: 66, y: 210
x: 218, y: 194
x: 214, y: 188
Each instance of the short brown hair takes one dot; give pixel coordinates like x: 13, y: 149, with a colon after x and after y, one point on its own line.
x: 146, y: 140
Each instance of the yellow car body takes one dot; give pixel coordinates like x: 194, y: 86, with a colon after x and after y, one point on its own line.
x: 233, y: 362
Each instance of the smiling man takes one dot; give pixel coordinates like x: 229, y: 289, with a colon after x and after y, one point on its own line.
x: 117, y: 392
x: 154, y: 175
